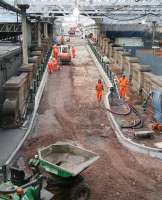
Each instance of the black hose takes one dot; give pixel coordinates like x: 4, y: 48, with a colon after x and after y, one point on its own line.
x: 124, y: 114
x: 138, y: 124
x: 120, y: 104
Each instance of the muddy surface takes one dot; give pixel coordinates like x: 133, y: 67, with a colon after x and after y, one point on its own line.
x: 69, y: 112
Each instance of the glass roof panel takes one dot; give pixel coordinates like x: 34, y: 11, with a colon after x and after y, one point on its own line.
x: 108, y: 10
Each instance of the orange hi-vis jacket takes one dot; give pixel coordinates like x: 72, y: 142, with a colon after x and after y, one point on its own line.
x: 50, y: 67
x: 55, y: 52
x: 123, y: 86
x: 73, y: 52
x: 123, y: 82
x: 62, y: 40
x: 55, y: 63
x: 99, y: 87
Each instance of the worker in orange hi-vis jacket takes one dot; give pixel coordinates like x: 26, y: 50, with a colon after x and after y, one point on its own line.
x: 55, y: 52
x: 55, y: 64
x: 50, y: 66
x: 73, y: 52
x: 62, y: 39
x: 99, y: 90
x: 123, y: 86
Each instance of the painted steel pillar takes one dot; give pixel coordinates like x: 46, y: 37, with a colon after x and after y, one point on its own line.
x: 24, y: 39
x: 39, y: 34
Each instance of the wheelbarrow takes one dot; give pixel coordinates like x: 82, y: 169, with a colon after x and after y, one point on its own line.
x: 64, y: 163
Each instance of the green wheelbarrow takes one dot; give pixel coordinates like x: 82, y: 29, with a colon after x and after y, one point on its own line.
x: 64, y: 162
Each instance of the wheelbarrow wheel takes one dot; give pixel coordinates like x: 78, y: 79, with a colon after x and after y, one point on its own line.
x: 80, y: 192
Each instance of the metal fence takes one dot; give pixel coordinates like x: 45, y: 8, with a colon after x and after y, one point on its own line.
x: 105, y: 67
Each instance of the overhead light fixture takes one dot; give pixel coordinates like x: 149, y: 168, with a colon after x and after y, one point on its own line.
x: 143, y: 21
x: 76, y: 12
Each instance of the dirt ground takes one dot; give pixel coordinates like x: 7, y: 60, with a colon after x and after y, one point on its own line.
x: 69, y: 112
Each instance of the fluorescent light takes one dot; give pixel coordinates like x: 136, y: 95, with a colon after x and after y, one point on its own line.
x: 143, y: 21
x: 76, y: 12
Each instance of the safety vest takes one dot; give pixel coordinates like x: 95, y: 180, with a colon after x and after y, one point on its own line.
x: 99, y: 87
x: 123, y: 82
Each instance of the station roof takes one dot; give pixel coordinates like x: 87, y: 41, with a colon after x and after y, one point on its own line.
x: 117, y: 11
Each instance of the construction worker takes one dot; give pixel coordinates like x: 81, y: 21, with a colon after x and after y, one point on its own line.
x: 62, y: 39
x: 55, y: 64
x: 50, y: 66
x: 123, y: 86
x: 55, y: 52
x: 99, y: 90
x: 73, y: 52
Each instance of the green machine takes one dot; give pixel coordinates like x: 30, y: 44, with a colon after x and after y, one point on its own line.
x: 56, y: 166
x: 21, y: 188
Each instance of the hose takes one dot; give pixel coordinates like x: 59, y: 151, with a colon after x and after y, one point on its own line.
x: 138, y: 124
x: 117, y: 113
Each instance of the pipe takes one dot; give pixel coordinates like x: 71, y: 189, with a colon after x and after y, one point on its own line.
x: 124, y: 114
x: 138, y: 124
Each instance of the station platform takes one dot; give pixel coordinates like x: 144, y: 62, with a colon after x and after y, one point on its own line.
x: 69, y: 112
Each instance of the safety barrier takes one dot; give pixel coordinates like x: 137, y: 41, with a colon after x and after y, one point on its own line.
x: 105, y: 67
x: 37, y: 79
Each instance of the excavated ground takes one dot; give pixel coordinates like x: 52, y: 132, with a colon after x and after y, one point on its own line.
x: 69, y: 112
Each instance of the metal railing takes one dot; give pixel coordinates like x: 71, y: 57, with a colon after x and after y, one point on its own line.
x: 38, y: 77
x: 4, y: 169
x: 105, y: 67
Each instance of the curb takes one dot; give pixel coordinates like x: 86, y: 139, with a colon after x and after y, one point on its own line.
x: 37, y: 101
x: 126, y: 142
